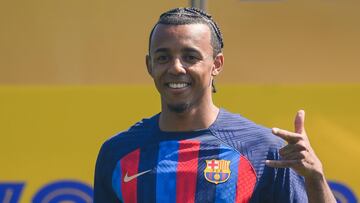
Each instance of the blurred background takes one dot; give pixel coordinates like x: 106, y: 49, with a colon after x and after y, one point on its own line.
x: 72, y: 74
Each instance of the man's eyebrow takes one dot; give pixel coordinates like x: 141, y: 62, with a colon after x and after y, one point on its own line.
x: 188, y: 49
x: 161, y: 50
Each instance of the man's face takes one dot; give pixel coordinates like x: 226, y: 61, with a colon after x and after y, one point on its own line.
x: 182, y: 65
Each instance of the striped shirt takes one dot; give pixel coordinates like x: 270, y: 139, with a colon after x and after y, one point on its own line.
x: 223, y: 163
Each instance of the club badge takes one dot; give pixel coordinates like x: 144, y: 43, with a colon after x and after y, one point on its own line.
x: 217, y: 171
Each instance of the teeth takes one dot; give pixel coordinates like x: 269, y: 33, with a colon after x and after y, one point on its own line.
x: 177, y: 85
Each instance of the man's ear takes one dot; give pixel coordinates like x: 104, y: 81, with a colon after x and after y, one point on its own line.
x: 148, y: 64
x: 218, y: 64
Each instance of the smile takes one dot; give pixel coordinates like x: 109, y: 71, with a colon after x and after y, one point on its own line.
x: 177, y: 85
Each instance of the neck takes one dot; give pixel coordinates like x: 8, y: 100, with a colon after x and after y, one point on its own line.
x: 194, y: 118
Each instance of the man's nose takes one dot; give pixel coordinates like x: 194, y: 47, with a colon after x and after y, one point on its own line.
x: 177, y: 67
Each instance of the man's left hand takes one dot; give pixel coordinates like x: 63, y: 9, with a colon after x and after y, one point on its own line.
x: 297, y: 154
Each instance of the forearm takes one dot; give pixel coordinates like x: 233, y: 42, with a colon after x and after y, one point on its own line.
x: 318, y: 190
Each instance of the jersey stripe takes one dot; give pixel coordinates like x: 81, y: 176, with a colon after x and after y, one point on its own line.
x: 116, y: 181
x: 205, y: 190
x: 246, y: 181
x: 129, y: 165
x: 166, y: 172
x: 148, y: 160
x: 187, y: 171
x: 230, y: 185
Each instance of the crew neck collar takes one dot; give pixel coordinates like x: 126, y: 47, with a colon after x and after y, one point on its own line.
x: 186, y: 133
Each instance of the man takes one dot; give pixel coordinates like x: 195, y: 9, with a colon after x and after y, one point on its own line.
x: 195, y: 152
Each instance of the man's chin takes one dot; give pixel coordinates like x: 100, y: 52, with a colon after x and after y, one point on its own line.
x: 178, y: 108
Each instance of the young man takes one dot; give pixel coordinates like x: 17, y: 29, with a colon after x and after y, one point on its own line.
x: 195, y: 152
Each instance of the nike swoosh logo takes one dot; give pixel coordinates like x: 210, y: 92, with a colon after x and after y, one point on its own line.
x: 130, y: 178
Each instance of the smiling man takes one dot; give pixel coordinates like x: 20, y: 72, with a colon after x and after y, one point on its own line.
x: 182, y: 64
x: 193, y: 151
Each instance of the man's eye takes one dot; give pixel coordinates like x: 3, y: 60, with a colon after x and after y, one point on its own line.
x: 162, y: 59
x: 190, y: 58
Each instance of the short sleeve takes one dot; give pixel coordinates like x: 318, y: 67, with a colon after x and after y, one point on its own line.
x: 279, y: 185
x: 102, y: 188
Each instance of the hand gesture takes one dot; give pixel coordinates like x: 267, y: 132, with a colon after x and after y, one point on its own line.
x: 297, y: 154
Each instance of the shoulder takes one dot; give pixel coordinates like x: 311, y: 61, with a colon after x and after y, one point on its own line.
x: 254, y: 141
x: 131, y: 137
x: 121, y: 144
x: 235, y: 128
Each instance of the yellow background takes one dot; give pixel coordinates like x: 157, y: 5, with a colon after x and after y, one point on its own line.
x: 105, y: 42
x: 72, y: 74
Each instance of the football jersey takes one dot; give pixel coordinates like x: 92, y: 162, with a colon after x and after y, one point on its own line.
x: 223, y: 163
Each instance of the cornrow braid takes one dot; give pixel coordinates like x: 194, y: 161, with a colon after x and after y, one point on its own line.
x: 184, y: 16
x: 210, y: 20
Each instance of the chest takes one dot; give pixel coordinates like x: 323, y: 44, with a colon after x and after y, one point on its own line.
x: 183, y: 171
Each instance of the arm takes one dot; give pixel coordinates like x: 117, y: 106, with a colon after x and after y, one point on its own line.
x: 318, y: 190
x: 299, y: 156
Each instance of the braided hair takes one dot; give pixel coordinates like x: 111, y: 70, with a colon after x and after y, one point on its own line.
x: 185, y: 16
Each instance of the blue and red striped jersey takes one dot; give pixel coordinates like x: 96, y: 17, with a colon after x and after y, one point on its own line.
x: 224, y: 163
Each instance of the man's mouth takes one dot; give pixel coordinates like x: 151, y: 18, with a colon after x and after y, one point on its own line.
x: 177, y: 85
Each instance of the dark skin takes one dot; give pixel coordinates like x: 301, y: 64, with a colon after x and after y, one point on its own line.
x: 182, y: 66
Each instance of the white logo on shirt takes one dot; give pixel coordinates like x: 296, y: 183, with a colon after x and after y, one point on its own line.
x: 129, y: 178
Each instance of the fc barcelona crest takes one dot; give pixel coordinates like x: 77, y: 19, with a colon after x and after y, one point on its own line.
x: 217, y: 171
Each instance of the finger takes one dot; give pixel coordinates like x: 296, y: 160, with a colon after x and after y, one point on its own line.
x: 294, y: 155
x: 281, y: 163
x: 292, y: 148
x: 300, y: 122
x: 299, y: 146
x: 290, y: 137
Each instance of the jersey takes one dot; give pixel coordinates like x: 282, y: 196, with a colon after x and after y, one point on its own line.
x: 223, y: 163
